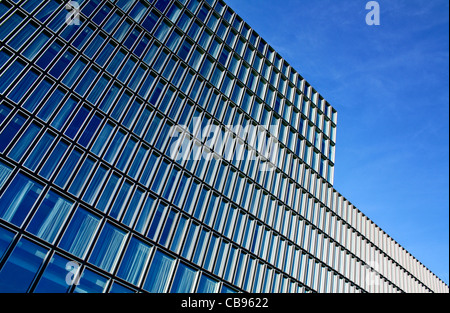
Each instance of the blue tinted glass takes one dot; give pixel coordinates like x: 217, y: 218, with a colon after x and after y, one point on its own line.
x: 101, y: 15
x: 81, y: 177
x: 157, y: 220
x: 95, y: 184
x: 145, y: 215
x: 53, y: 280
x: 121, y: 106
x: 102, y: 138
x: 77, y: 122
x: 90, y: 130
x: 79, y: 233
x: 107, y: 192
x: 142, y: 45
x: 199, y: 247
x: 207, y: 285
x: 49, y: 55
x: 131, y: 114
x: 90, y: 7
x: 37, y: 96
x: 36, y: 45
x: 4, y: 8
x: 171, y: 182
x: 10, y: 131
x: 58, y: 21
x: 64, y: 113
x: 109, y: 98
x: 107, y: 248
x: 9, y: 75
x: 150, y: 21
x: 116, y: 288
x: 160, y: 273
x: 50, y: 216
x: 113, y: 21
x: 131, y: 39
x: 184, y: 50
x: 98, y: 90
x: 114, y: 147
x: 9, y: 25
x: 86, y: 82
x: 179, y: 234
x: 138, y: 162
x: 167, y: 228
x: 163, y: 136
x: 190, y: 240
x: 4, y: 57
x: 53, y: 159
x: 91, y: 282
x: 126, y: 155
x: 74, y: 73
x: 226, y: 289
x: 94, y: 46
x: 68, y: 168
x: 173, y: 41
x: 142, y: 122
x: 162, y: 31
x: 138, y: 11
x: 184, y: 279
x: 5, y: 170
x: 119, y: 202
x: 153, y: 129
x: 51, y: 105
x: 18, y: 199
x: 62, y: 64
x: 39, y: 151
x: 116, y: 61
x: 47, y: 10
x: 23, y: 35
x: 133, y: 208
x: 83, y: 37
x: 21, y: 267
x: 151, y: 53
x: 181, y: 190
x: 160, y: 61
x: 123, y: 29
x: 5, y: 240
x: 134, y: 261
x: 184, y: 21
x: 160, y: 177
x: 24, y: 142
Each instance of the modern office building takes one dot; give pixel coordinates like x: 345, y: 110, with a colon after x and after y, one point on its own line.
x: 164, y: 146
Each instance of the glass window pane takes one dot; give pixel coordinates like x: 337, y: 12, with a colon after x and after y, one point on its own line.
x: 91, y: 282
x: 50, y: 216
x: 5, y: 170
x: 6, y: 238
x: 68, y: 168
x: 184, y: 279
x: 79, y: 233
x: 207, y: 285
x: 134, y: 261
x: 108, y: 247
x: 18, y: 199
x: 160, y: 273
x: 11, y: 130
x: 24, y: 142
x: 53, y: 280
x: 53, y: 159
x: 21, y: 267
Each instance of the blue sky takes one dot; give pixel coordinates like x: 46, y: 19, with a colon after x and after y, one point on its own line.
x: 389, y: 84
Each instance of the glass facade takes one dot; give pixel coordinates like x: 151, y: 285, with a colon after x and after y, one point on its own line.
x: 164, y: 146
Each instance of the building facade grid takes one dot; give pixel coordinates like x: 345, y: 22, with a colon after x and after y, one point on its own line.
x: 90, y: 115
